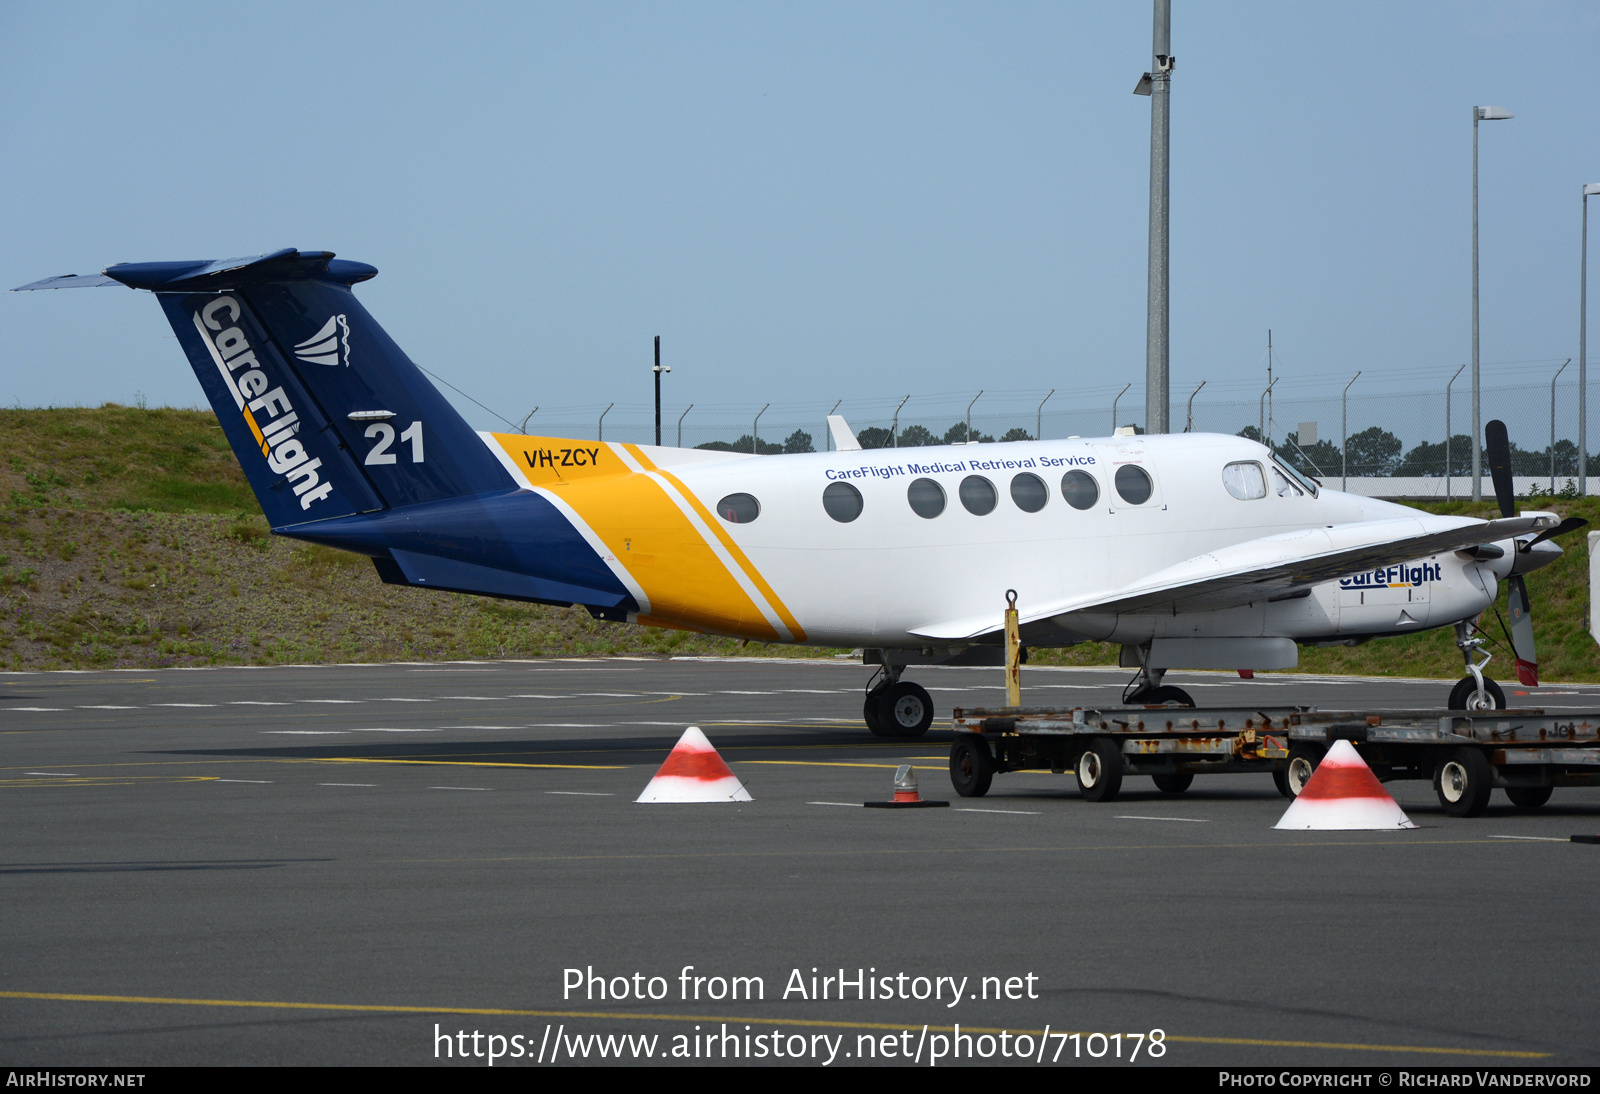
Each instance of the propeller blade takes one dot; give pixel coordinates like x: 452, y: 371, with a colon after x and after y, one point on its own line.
x: 1498, y: 448
x: 1571, y: 524
x: 1522, y: 632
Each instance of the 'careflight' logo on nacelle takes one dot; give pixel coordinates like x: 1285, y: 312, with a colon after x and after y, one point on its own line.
x: 284, y: 451
x: 1395, y: 577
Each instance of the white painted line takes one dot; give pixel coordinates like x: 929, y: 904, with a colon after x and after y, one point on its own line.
x: 379, y: 730
x: 62, y: 774
x: 535, y: 697
x: 584, y: 793
x: 307, y: 732
x: 347, y: 784
x: 551, y: 725
x: 327, y: 700
x: 458, y: 788
x: 744, y: 693
x: 36, y: 708
x: 1541, y: 839
x: 254, y: 703
x: 476, y: 698
x: 1016, y: 812
x: 103, y: 706
x: 183, y: 704
x: 262, y: 782
x: 483, y: 727
x: 396, y: 699
x: 848, y: 805
x: 1184, y: 820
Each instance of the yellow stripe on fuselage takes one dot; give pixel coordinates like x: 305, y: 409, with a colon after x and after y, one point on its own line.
x: 685, y: 581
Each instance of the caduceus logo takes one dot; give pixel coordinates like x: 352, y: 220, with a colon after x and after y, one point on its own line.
x: 323, y: 348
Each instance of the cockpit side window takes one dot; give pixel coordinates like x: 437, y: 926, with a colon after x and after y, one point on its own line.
x: 1304, y: 482
x: 1244, y: 480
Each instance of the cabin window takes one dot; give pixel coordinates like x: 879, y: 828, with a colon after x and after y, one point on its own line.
x: 842, y: 501
x: 1029, y: 492
x: 1079, y: 489
x: 978, y: 495
x: 926, y: 498
x: 1245, y: 480
x: 1133, y: 484
x: 738, y: 508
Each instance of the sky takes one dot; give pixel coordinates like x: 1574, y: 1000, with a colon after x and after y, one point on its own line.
x: 808, y: 202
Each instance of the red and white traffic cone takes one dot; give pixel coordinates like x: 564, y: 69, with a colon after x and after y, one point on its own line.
x: 693, y: 772
x: 1343, y: 795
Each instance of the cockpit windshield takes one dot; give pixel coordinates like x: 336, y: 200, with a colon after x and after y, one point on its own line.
x: 1306, y: 483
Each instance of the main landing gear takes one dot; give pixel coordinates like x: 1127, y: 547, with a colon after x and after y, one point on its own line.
x: 1145, y: 689
x: 896, y: 707
x: 1474, y: 691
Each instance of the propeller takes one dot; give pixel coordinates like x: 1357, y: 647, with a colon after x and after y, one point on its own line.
x: 1498, y: 447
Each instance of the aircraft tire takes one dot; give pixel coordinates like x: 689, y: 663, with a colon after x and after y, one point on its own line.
x: 904, y: 710
x: 1528, y: 797
x: 1303, y: 761
x: 1100, y: 770
x: 1166, y: 697
x: 1466, y: 691
x: 1463, y: 782
x: 869, y: 711
x: 1173, y: 784
x: 971, y: 765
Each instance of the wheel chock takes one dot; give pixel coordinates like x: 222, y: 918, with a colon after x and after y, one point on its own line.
x: 906, y: 795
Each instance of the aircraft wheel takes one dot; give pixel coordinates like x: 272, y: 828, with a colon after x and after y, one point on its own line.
x: 1166, y: 697
x: 1100, y: 770
x: 1464, y: 696
x: 869, y: 711
x: 1303, y: 761
x: 1173, y: 784
x: 905, y: 710
x: 1463, y: 782
x: 1528, y: 797
x: 971, y: 765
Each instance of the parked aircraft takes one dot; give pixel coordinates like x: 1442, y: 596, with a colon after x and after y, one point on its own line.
x: 1191, y: 550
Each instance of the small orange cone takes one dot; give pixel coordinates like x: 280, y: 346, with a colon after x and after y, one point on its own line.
x: 906, y: 794
x: 693, y: 772
x: 1344, y: 795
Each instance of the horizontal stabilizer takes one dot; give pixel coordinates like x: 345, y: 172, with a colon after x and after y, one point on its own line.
x: 69, y: 281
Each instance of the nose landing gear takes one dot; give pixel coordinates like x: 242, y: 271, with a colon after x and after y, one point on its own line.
x: 896, y: 707
x: 1474, y: 691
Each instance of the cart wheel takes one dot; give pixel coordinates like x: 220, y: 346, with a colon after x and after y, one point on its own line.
x: 1464, y: 696
x: 1463, y: 782
x: 1173, y: 784
x: 1303, y: 761
x: 1528, y: 797
x: 1100, y: 770
x: 1280, y: 777
x: 971, y: 766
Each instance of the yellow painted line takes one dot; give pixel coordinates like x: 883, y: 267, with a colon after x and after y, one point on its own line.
x: 460, y: 763
x: 370, y: 1008
x: 108, y: 780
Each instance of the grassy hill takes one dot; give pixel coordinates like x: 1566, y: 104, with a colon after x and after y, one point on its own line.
x: 129, y: 538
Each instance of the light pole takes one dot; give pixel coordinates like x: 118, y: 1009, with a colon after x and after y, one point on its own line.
x: 1188, y: 425
x: 1114, y: 402
x: 1344, y: 435
x: 1157, y: 85
x: 755, y: 432
x: 1038, y: 417
x: 681, y: 417
x: 1583, y: 372
x: 1479, y: 114
x: 1553, y: 380
x: 602, y: 427
x: 1447, y: 465
x: 658, y: 370
x: 894, y: 427
x: 975, y: 398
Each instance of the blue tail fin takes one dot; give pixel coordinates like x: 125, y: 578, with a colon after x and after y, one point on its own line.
x: 327, y: 415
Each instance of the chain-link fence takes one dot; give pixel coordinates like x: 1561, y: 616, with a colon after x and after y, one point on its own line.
x: 1391, y: 425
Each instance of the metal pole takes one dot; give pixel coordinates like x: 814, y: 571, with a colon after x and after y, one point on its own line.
x: 1114, y: 402
x: 827, y: 428
x: 1261, y: 408
x: 1157, y: 409
x: 658, y: 391
x: 1344, y: 435
x: 1188, y: 425
x: 1553, y: 380
x: 975, y: 398
x: 603, y: 414
x: 755, y: 435
x: 681, y: 417
x: 1583, y: 350
x: 1038, y: 417
x: 1477, y: 428
x: 531, y: 413
x: 1448, y: 467
x: 894, y: 426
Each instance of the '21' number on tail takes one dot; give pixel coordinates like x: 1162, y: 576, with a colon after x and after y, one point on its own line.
x: 384, y: 432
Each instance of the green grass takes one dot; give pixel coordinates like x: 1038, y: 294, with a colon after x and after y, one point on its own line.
x: 129, y: 538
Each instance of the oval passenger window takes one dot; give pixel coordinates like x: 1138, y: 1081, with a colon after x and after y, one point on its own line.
x: 842, y: 501
x: 1244, y: 480
x: 926, y: 498
x: 738, y: 508
x: 978, y: 495
x: 1029, y: 492
x: 1134, y: 484
x: 1079, y: 489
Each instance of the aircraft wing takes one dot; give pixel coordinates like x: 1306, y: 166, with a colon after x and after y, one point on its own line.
x: 1267, y: 568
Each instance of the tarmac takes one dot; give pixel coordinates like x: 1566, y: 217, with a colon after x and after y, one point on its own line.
x: 345, y: 864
